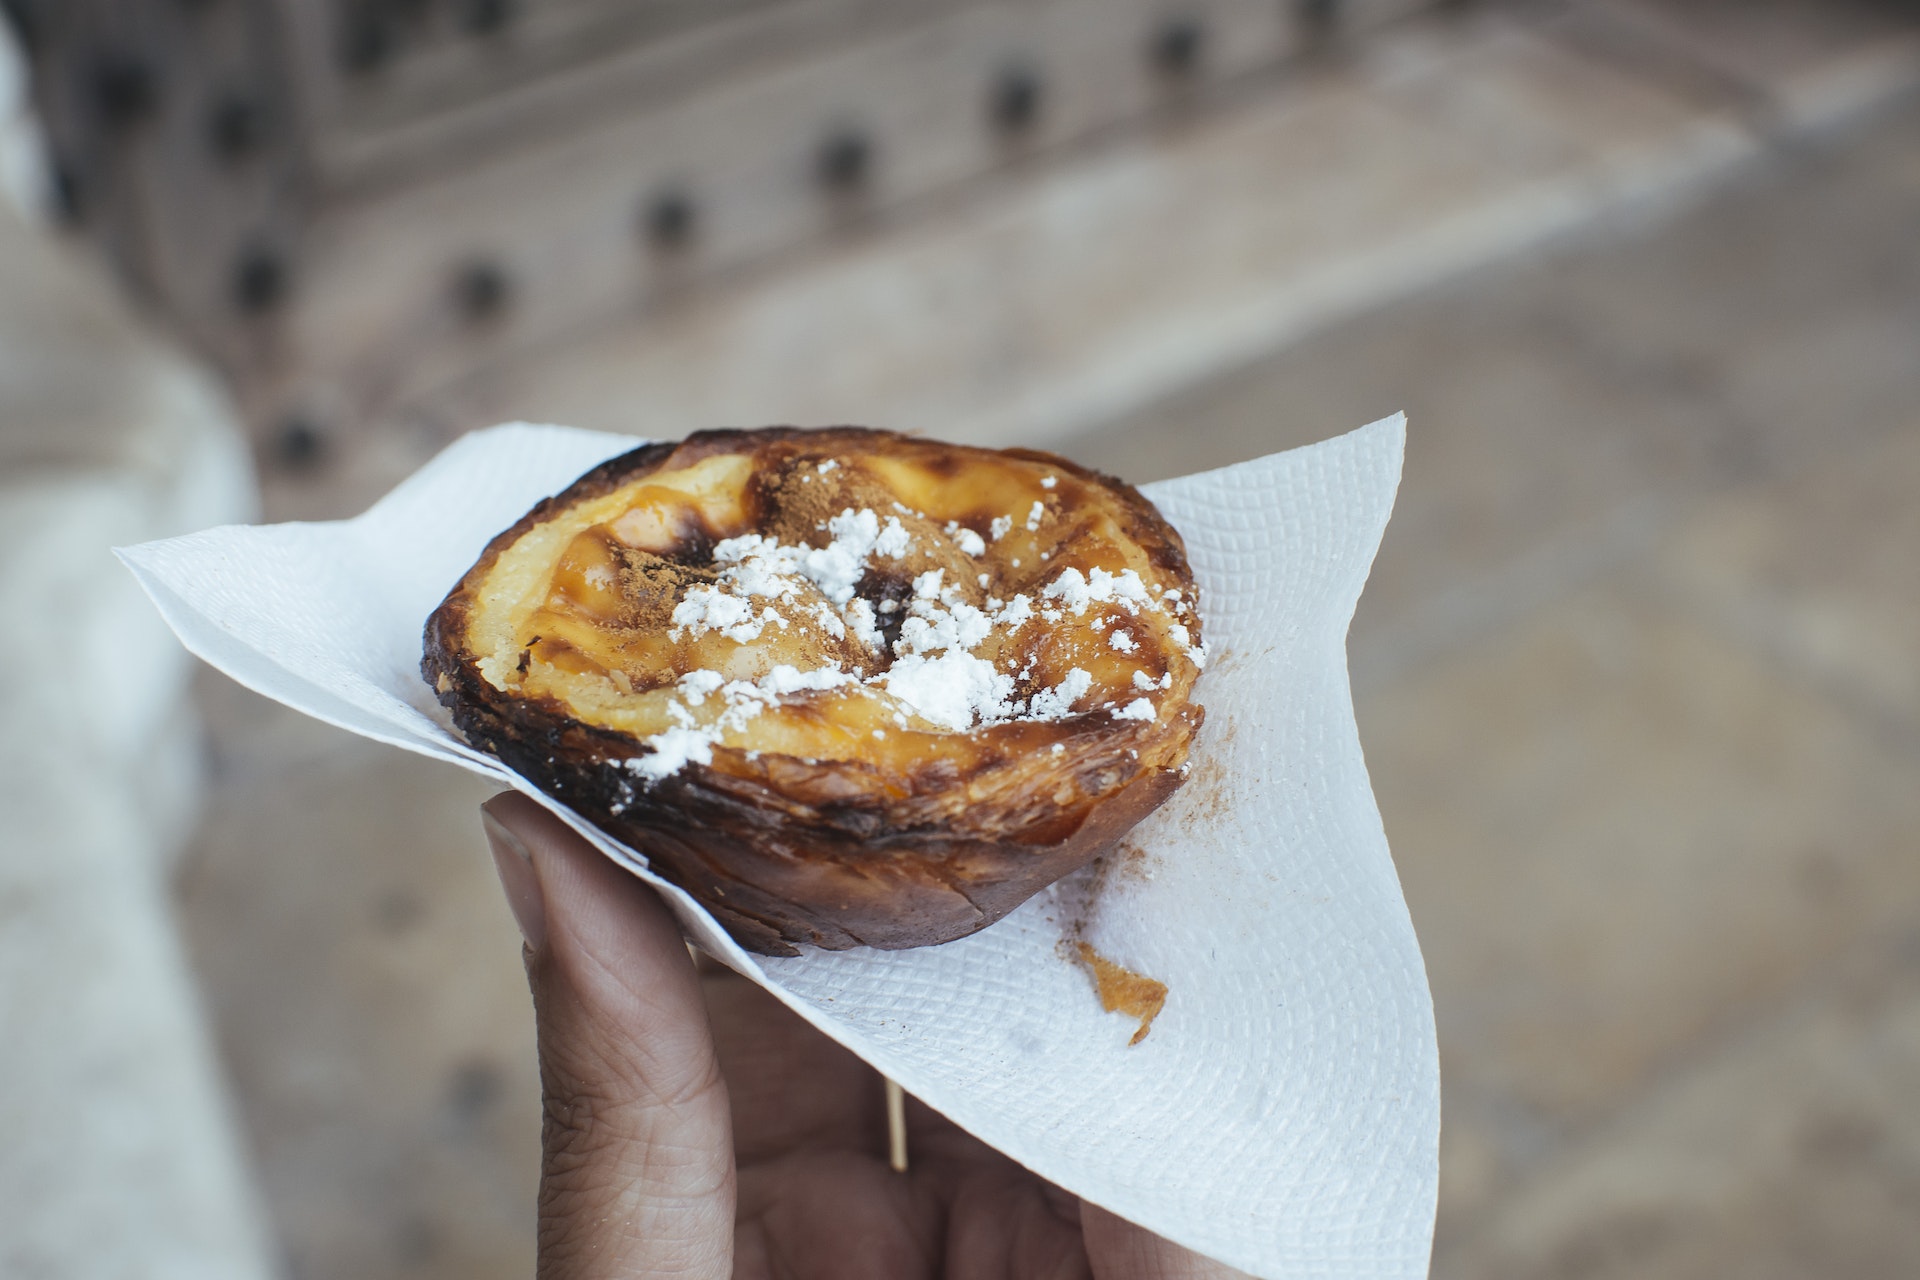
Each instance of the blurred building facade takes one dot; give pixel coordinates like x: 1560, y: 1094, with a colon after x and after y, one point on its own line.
x: 347, y: 202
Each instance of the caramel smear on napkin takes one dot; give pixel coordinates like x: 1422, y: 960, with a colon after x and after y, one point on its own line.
x: 1124, y: 991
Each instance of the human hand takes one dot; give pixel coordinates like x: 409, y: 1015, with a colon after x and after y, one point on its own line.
x: 695, y: 1127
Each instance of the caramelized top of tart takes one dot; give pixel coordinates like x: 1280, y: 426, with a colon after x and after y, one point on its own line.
x: 842, y: 596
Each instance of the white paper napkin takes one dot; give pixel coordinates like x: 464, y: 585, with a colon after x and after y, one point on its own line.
x: 1283, y: 1114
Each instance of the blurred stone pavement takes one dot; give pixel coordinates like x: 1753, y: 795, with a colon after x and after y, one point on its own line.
x: 1636, y: 675
x: 1637, y: 679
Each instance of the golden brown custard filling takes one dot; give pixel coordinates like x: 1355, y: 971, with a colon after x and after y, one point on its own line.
x: 847, y: 606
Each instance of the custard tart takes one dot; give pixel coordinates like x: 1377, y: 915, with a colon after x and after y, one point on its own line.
x: 845, y: 687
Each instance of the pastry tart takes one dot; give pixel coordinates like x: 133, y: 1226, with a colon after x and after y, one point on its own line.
x: 845, y: 687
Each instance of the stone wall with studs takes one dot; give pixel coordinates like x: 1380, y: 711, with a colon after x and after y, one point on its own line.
x: 346, y: 202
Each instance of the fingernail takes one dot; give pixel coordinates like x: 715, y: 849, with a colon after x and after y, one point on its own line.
x: 514, y: 863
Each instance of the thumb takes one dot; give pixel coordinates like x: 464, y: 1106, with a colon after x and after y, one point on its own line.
x: 637, y: 1175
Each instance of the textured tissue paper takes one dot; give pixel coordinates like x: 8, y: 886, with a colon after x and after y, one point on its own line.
x: 1283, y: 1113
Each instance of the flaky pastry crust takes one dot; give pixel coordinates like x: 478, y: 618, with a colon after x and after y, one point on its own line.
x: 845, y: 687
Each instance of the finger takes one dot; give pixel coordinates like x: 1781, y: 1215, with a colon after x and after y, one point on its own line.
x: 790, y: 1086
x: 1119, y: 1250
x: 637, y: 1170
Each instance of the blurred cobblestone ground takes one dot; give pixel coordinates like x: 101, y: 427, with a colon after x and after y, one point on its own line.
x: 1637, y: 682
x: 1636, y: 678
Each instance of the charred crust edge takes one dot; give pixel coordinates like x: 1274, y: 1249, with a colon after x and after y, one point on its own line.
x: 777, y: 861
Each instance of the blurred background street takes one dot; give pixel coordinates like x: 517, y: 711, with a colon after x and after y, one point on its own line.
x: 1637, y: 672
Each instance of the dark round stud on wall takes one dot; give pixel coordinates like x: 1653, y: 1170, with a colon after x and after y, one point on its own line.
x: 125, y: 90
x: 259, y: 280
x: 484, y: 17
x: 1176, y: 45
x: 670, y: 219
x: 1318, y: 17
x: 297, y: 443
x: 365, y: 42
x: 1013, y: 104
x: 845, y: 159
x: 66, y: 193
x: 481, y: 289
x: 236, y: 126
